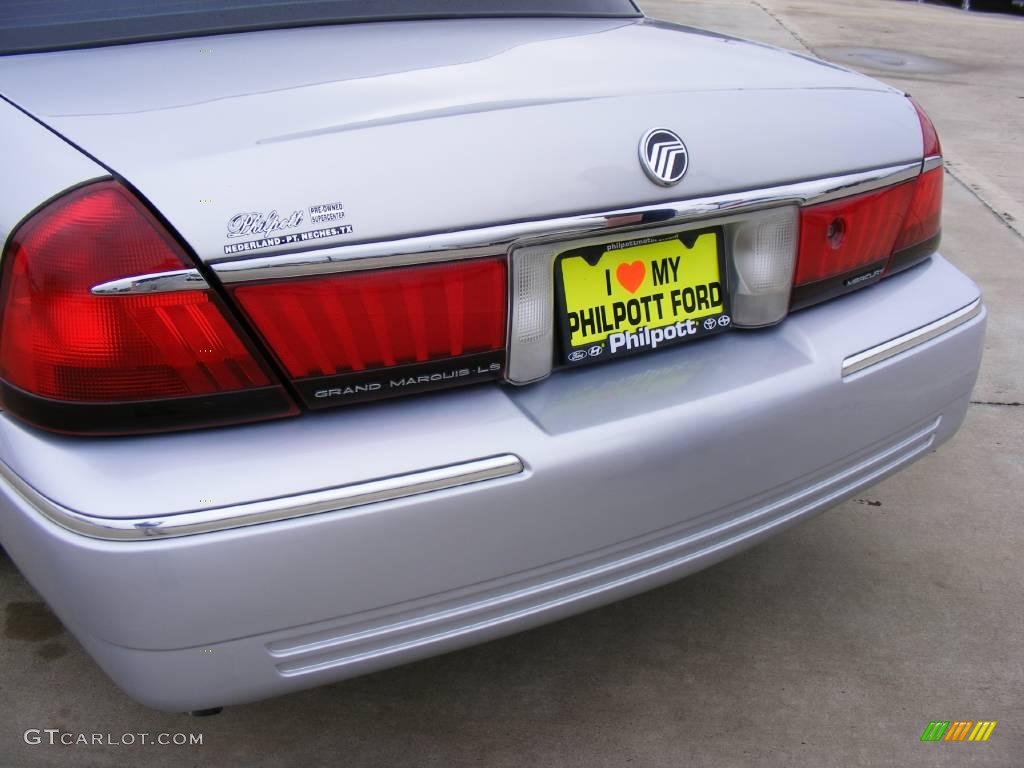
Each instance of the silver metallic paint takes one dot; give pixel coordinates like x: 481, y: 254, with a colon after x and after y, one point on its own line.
x: 281, y: 120
x: 675, y: 438
x: 697, y: 442
x: 37, y: 165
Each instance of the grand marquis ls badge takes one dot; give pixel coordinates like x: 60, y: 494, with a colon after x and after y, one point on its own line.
x: 663, y: 156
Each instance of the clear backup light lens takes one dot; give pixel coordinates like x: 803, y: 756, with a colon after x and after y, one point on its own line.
x: 533, y: 310
x: 763, y: 259
x: 532, y: 332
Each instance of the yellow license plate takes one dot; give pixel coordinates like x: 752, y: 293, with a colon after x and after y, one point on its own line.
x: 638, y: 295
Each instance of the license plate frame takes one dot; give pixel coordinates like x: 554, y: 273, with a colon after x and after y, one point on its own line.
x: 627, y: 251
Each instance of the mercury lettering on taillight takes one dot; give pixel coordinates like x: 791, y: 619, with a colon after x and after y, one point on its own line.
x: 855, y: 241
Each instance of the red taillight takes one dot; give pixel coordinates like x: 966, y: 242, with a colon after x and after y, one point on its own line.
x: 929, y: 135
x: 363, y: 322
x: 924, y: 216
x: 857, y: 240
x: 74, y: 361
x: 849, y: 234
x: 923, y: 222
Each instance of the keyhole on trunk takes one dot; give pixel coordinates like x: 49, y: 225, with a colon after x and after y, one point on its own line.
x: 836, y: 233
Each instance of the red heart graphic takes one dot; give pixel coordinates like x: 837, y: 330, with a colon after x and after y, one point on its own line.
x: 630, y: 276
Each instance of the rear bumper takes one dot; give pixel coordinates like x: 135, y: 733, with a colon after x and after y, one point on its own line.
x: 632, y: 475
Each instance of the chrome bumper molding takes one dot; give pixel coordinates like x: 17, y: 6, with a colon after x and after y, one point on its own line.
x: 893, y: 347
x: 268, y: 510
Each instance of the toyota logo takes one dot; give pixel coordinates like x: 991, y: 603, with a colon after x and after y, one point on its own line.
x: 663, y: 156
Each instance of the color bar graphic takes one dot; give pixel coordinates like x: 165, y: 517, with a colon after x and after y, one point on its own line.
x: 958, y: 730
x: 983, y: 730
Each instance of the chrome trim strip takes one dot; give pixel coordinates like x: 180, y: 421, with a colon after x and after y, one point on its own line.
x: 490, y: 241
x: 893, y: 347
x: 158, y: 282
x: 931, y: 162
x: 268, y: 510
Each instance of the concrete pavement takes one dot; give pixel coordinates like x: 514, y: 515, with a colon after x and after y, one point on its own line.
x: 833, y: 644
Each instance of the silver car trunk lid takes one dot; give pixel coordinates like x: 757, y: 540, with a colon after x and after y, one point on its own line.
x: 376, y: 131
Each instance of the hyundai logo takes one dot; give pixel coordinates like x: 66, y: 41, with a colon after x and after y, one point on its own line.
x: 663, y: 156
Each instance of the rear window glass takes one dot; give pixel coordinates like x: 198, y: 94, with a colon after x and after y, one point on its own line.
x: 42, y: 25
